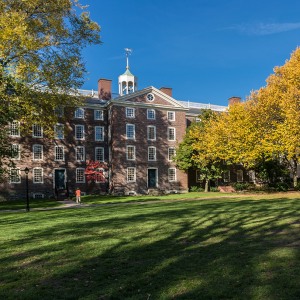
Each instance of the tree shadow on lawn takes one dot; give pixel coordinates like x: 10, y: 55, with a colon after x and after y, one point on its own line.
x: 192, y: 250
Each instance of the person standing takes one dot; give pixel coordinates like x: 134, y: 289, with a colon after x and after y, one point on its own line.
x: 78, y: 195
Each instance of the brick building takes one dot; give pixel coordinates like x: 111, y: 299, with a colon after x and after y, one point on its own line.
x: 134, y: 135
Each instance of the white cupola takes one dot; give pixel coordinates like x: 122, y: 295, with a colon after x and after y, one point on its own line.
x: 127, y: 81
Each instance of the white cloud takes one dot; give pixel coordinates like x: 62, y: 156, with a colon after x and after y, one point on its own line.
x: 264, y: 28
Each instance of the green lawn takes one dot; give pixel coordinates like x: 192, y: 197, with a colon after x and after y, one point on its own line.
x: 223, y: 248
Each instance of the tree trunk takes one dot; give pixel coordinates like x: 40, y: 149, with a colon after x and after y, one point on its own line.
x: 206, y: 185
x: 295, y: 175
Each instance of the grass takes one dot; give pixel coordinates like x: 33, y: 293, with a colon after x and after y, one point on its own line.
x: 245, y: 247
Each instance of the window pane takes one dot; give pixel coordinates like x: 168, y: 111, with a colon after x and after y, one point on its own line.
x: 171, y: 153
x: 80, y: 153
x: 37, y: 131
x: 151, y: 153
x: 151, y: 132
x: 150, y: 114
x: 130, y: 152
x: 99, y: 154
x: 37, y: 175
x: 59, y: 153
x: 172, y: 174
x: 98, y: 114
x: 80, y: 178
x: 79, y: 132
x: 99, y: 133
x: 37, y: 152
x: 130, y: 131
x: 15, y: 176
x: 130, y: 174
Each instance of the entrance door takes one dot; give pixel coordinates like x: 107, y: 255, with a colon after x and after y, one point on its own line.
x: 60, y: 183
x: 152, y: 178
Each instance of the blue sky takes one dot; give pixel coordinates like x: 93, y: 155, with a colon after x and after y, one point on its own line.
x: 206, y: 50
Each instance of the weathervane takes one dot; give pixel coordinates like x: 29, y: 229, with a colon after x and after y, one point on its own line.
x: 128, y: 51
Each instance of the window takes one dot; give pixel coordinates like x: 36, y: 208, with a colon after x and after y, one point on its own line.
x: 59, y: 153
x: 79, y: 113
x: 150, y: 97
x: 130, y: 112
x: 59, y: 131
x: 80, y: 178
x: 151, y: 153
x: 15, y: 176
x: 99, y: 154
x: 171, y: 134
x: 98, y: 114
x: 150, y: 114
x: 15, y: 151
x: 171, y: 153
x: 226, y: 176
x: 79, y: 132
x: 38, y: 175
x: 171, y: 115
x: 37, y: 152
x: 251, y: 176
x: 239, y: 175
x: 172, y: 174
x: 130, y: 131
x: 131, y: 174
x: 130, y: 152
x: 80, y: 153
x: 198, y: 176
x: 99, y: 133
x: 100, y: 176
x: 14, y: 128
x: 38, y: 195
x: 151, y: 133
x: 37, y: 131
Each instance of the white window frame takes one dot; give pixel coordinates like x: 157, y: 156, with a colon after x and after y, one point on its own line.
x: 131, y: 177
x: 130, y: 137
x: 151, y: 153
x: 149, y: 138
x: 37, y: 131
x: 151, y: 112
x: 99, y: 154
x: 239, y: 176
x: 17, y: 176
x: 133, y: 152
x: 59, y: 133
x: 174, y: 134
x: 79, y: 113
x: 98, y: 115
x: 100, y: 170
x: 170, y: 155
x: 37, y: 152
x: 35, y: 175
x: 80, y: 153
x: 171, y: 116
x: 130, y: 112
x: 80, y: 177
x: 57, y: 153
x: 14, y: 128
x: 226, y: 176
x: 16, y: 149
x: 172, y: 177
x: 251, y: 175
x: 81, y: 136
x: 99, y: 133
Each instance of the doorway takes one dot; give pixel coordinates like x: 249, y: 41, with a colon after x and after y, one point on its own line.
x: 152, y: 178
x: 60, y: 179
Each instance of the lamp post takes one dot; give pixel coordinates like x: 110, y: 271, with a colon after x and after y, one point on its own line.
x: 26, y: 170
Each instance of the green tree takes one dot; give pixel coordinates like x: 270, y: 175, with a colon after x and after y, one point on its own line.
x: 41, y: 64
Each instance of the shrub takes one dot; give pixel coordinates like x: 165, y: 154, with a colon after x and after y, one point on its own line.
x: 239, y: 186
x: 195, y: 188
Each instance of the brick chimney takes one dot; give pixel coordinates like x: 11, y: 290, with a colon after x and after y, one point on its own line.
x: 104, y: 89
x: 167, y: 91
x: 233, y: 100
